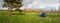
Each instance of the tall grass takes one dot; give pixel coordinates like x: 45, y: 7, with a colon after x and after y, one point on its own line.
x: 28, y: 18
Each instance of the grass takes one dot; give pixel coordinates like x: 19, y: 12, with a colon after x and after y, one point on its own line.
x: 28, y: 18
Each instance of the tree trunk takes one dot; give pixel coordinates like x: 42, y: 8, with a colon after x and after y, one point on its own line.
x: 10, y: 9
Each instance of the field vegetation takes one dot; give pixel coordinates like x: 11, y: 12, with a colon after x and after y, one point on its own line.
x: 23, y: 17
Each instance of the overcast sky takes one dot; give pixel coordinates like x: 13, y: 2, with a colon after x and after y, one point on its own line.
x: 1, y: 3
x: 40, y: 3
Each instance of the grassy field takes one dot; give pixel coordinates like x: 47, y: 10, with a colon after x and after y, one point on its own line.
x: 5, y: 17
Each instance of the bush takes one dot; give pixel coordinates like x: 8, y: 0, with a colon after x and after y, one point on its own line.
x: 18, y: 10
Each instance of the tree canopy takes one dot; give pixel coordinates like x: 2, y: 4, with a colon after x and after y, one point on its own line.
x: 14, y: 3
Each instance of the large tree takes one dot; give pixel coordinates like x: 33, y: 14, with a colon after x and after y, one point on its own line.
x: 13, y: 3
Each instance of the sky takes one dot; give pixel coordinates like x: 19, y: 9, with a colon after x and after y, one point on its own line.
x: 40, y: 3
x: 1, y: 3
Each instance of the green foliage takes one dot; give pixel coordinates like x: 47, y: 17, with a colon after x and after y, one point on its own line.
x: 18, y: 10
x: 14, y: 3
x: 28, y: 18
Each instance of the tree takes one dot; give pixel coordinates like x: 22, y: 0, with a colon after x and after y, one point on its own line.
x: 13, y: 3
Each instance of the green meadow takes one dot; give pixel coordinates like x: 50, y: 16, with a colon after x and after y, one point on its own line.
x: 5, y: 17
